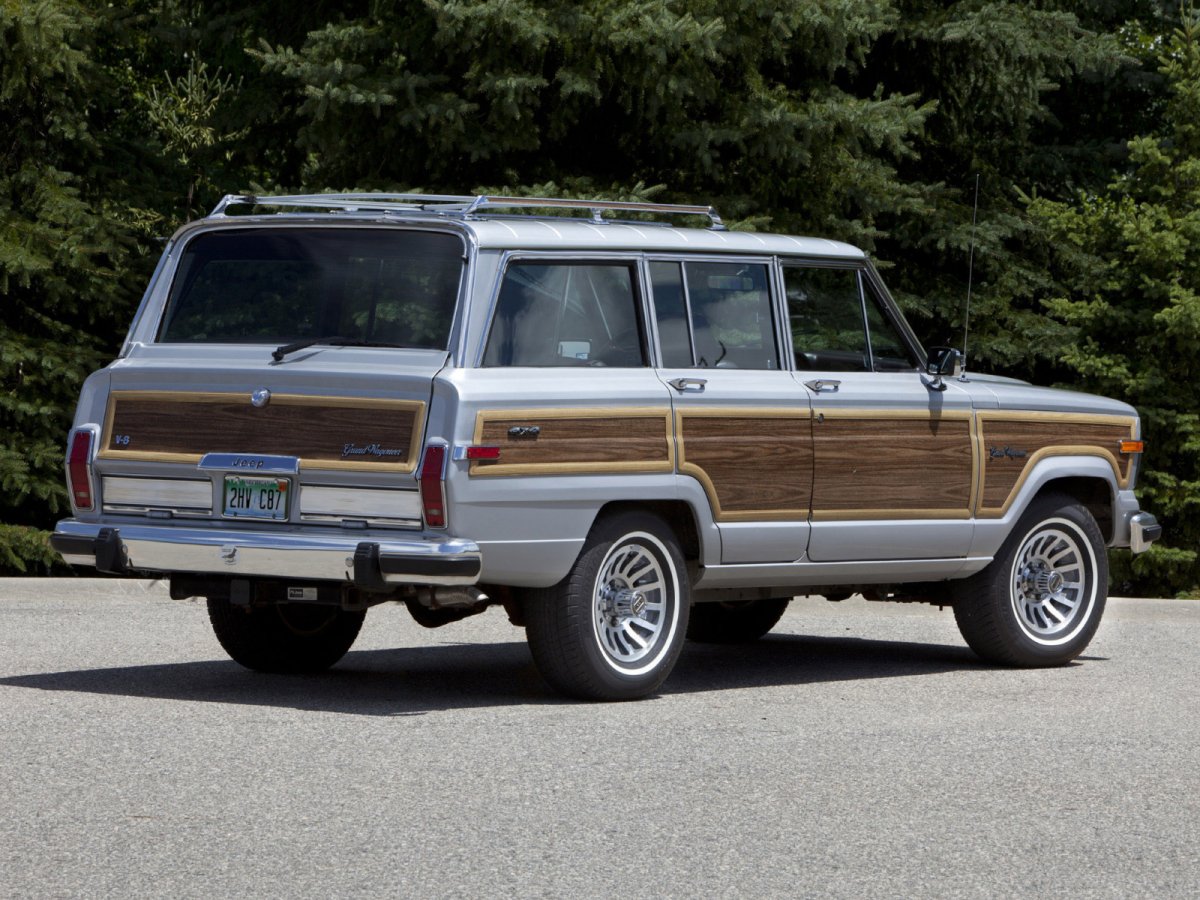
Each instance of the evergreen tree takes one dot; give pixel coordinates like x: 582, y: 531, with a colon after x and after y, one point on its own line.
x: 1127, y: 261
x: 738, y: 103
x: 995, y: 70
x: 60, y: 261
x: 866, y: 120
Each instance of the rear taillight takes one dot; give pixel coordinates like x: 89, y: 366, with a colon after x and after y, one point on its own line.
x: 433, y: 493
x: 79, y: 468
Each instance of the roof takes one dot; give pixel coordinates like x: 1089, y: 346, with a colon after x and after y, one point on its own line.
x: 528, y: 233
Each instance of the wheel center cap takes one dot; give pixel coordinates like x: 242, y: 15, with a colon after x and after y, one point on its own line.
x: 625, y: 602
x: 1048, y: 582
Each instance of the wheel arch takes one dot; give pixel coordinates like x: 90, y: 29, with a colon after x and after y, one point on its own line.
x: 1090, y: 480
x: 679, y: 515
x: 1096, y: 495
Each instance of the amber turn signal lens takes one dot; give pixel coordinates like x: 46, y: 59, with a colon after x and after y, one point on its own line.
x: 1133, y: 446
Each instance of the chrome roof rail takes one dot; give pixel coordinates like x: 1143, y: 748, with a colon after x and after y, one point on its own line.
x: 349, y: 202
x: 595, y: 207
x: 465, y: 206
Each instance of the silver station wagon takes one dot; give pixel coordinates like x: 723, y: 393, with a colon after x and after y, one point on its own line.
x: 626, y: 433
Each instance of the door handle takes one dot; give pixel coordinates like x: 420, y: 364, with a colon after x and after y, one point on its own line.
x: 819, y: 385
x: 688, y: 385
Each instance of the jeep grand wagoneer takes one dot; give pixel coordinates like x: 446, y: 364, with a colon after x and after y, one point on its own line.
x: 624, y: 432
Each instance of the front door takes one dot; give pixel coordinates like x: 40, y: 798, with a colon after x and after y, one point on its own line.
x: 894, y: 468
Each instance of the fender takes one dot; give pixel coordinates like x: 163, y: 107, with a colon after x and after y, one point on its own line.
x: 991, y: 532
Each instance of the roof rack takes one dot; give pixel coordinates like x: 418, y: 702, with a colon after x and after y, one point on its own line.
x: 459, y: 205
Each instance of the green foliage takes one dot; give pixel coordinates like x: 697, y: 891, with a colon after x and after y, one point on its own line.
x: 736, y: 102
x: 59, y: 259
x: 1127, y: 261
x: 185, y: 111
x: 865, y: 120
x: 26, y: 551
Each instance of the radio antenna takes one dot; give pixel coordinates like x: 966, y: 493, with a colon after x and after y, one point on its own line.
x: 970, y: 278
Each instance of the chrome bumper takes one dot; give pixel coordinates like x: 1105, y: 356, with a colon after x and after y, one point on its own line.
x: 1144, y: 530
x: 241, y: 553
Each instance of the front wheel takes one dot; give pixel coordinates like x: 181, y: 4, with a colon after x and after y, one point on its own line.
x: 284, y: 637
x: 1040, y: 600
x: 613, y: 628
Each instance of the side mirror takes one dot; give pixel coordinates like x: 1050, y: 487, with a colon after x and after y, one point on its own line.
x: 942, y: 362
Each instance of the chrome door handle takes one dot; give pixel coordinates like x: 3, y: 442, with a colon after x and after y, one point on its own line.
x: 686, y: 385
x: 817, y: 385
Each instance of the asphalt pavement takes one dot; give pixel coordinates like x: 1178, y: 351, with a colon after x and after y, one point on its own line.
x: 860, y: 750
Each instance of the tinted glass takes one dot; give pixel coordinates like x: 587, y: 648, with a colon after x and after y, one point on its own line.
x: 826, y: 314
x: 570, y: 314
x: 730, y: 323
x: 889, y: 352
x: 670, y: 312
x: 275, y: 286
x: 831, y: 317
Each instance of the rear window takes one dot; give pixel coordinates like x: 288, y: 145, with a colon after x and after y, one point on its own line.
x: 273, y: 286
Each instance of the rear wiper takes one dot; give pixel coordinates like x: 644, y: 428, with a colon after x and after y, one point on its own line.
x: 280, y: 352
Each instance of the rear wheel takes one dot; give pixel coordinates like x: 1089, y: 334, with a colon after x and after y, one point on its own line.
x: 1040, y: 600
x: 736, y: 622
x: 613, y: 628
x: 284, y: 637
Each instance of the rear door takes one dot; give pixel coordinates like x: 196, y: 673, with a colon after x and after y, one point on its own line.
x: 742, y: 423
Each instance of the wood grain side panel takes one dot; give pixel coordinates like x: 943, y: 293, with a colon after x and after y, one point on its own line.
x: 752, y: 466
x: 575, y: 441
x: 322, y: 432
x: 884, y: 467
x: 1011, y: 447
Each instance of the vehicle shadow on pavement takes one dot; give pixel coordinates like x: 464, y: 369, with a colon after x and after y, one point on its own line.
x: 413, y: 681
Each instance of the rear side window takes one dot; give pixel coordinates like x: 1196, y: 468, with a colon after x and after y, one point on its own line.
x: 273, y: 286
x: 714, y: 314
x: 566, y: 314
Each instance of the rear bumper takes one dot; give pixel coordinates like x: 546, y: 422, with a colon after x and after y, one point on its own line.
x: 370, y: 563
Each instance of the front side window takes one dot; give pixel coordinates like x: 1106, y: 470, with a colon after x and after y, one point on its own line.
x: 837, y: 325
x: 714, y: 314
x: 263, y: 285
x: 566, y: 314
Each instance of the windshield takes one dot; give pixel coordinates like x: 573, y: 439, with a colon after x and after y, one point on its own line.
x: 281, y: 285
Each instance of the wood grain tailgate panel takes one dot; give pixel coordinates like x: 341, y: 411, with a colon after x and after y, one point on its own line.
x: 325, y: 432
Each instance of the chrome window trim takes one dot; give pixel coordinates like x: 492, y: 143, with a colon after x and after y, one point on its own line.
x: 866, y: 324
x: 687, y: 306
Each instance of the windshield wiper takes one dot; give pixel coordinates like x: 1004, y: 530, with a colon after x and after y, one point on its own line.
x: 280, y: 352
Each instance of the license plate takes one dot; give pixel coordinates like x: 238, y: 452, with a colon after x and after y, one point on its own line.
x: 256, y: 498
